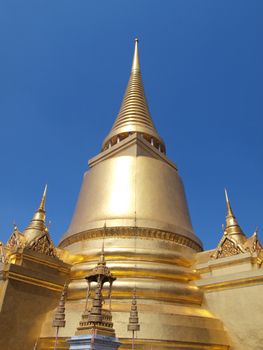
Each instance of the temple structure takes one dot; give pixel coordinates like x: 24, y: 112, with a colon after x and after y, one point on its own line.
x: 132, y: 202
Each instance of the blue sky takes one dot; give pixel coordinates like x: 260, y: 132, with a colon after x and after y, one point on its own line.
x: 64, y: 66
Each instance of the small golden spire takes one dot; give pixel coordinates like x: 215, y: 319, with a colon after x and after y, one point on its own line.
x: 102, y: 260
x: 59, y: 318
x: 229, y: 209
x: 133, y: 325
x: 37, y: 225
x: 134, y: 319
x: 43, y: 200
x: 134, y: 115
x: 232, y: 227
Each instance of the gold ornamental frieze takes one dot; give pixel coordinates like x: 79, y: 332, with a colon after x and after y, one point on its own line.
x: 131, y: 232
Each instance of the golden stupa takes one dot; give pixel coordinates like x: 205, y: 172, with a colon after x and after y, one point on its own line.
x: 132, y: 202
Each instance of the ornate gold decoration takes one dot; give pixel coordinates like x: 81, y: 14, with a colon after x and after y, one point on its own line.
x: 228, y: 248
x: 133, y: 175
x: 134, y: 115
x: 43, y: 245
x: 36, y: 235
x: 98, y: 320
x: 2, y: 253
x: 128, y: 232
x: 234, y: 241
x: 16, y: 240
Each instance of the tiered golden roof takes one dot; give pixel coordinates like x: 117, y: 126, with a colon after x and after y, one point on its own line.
x: 134, y: 114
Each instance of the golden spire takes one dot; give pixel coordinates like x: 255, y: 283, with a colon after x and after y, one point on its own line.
x: 59, y: 318
x: 234, y: 241
x: 43, y: 200
x: 232, y: 226
x: 37, y: 225
x: 134, y: 319
x: 229, y: 209
x: 134, y: 115
x: 133, y: 325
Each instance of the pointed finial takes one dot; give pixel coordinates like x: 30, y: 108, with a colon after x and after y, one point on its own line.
x: 102, y: 255
x: 134, y: 115
x: 229, y: 209
x: 102, y: 248
x: 15, y: 226
x: 232, y: 227
x: 136, y: 62
x: 37, y: 225
x: 43, y: 200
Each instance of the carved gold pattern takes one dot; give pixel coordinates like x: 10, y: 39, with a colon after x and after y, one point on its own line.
x: 43, y: 245
x: 16, y: 240
x: 128, y: 232
x: 228, y: 248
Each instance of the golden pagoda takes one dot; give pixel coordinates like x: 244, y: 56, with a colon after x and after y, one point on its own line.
x: 132, y: 200
x: 133, y: 187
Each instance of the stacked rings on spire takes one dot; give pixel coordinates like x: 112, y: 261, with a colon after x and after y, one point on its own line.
x: 134, y: 115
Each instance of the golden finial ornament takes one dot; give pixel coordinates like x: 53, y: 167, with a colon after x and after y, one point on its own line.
x: 134, y: 115
x: 234, y: 240
x: 59, y: 318
x: 43, y: 199
x: 38, y: 223
x: 36, y: 234
x: 232, y: 226
x: 133, y: 325
x: 136, y: 62
x: 229, y: 209
x: 98, y: 320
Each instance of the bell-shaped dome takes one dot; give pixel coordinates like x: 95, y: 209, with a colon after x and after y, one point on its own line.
x: 131, y: 182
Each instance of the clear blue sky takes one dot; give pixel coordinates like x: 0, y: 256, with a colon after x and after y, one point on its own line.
x: 64, y: 66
